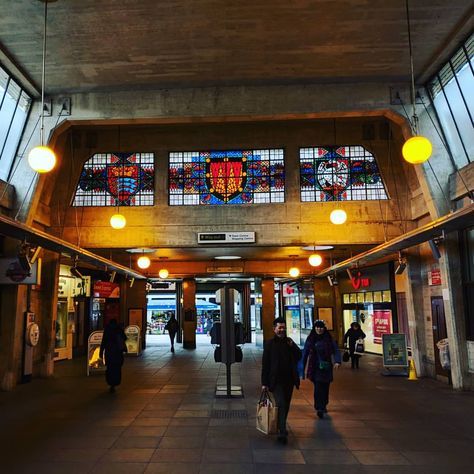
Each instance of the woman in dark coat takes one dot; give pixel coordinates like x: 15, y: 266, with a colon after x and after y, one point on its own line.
x: 172, y: 327
x: 113, y: 344
x: 321, y: 355
x: 354, y: 333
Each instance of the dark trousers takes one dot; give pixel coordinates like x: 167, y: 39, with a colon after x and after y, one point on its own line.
x: 282, y: 394
x: 355, y: 361
x: 172, y: 336
x: 321, y: 395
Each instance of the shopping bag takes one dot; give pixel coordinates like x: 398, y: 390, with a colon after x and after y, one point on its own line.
x: 267, y: 413
x: 359, y: 347
x: 346, y: 356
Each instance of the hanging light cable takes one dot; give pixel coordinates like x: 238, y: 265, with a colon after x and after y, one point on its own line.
x: 416, y: 149
x: 42, y: 158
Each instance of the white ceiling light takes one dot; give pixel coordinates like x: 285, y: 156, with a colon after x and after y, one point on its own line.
x: 317, y: 247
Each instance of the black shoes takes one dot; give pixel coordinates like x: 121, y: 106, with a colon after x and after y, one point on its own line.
x: 282, y: 439
x: 172, y: 349
x: 112, y: 389
x: 320, y: 414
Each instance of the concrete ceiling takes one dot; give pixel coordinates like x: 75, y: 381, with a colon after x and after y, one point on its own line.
x: 138, y: 44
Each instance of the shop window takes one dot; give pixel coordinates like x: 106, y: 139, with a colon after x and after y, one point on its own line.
x: 226, y: 177
x: 339, y: 173
x: 117, y: 179
x: 467, y: 256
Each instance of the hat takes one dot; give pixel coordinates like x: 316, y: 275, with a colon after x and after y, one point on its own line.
x: 319, y: 323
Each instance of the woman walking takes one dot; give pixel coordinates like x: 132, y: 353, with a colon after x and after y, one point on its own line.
x: 353, y: 334
x: 321, y: 355
x: 113, y: 344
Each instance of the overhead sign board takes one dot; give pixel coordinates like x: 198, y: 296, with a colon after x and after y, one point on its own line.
x: 226, y: 237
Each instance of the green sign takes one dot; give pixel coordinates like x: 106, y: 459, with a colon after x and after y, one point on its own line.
x: 395, y: 353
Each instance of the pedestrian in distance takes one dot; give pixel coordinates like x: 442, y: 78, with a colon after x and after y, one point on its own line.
x: 172, y: 327
x: 113, y: 346
x: 320, y: 356
x: 279, y: 372
x: 352, y: 335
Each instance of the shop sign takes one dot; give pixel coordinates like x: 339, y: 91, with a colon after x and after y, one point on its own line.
x: 106, y: 289
x: 382, y: 324
x: 359, y: 281
x: 434, y: 277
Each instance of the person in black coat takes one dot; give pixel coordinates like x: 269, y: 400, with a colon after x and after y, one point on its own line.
x: 353, y: 334
x: 279, y: 372
x: 320, y: 356
x: 172, y: 327
x: 113, y: 345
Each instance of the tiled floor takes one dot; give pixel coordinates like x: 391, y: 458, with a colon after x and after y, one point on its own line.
x: 164, y: 419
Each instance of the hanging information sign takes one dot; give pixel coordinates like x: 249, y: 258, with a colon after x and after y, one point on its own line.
x: 133, y: 340
x: 94, y: 362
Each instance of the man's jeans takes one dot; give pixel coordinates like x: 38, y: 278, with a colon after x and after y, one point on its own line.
x: 282, y: 394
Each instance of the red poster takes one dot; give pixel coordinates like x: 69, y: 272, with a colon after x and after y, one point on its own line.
x: 106, y: 289
x: 382, y: 322
x: 434, y: 277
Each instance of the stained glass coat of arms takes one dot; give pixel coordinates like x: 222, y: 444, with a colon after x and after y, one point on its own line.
x: 339, y: 173
x: 117, y: 179
x: 226, y: 177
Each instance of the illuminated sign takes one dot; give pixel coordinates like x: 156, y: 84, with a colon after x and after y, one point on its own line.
x: 226, y: 237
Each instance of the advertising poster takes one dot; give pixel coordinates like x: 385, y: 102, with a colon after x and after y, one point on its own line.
x: 106, y: 289
x: 133, y: 340
x: 94, y: 362
x: 292, y: 316
x: 382, y: 324
x: 395, y: 352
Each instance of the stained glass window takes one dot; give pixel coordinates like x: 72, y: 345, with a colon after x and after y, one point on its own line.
x: 226, y: 177
x: 339, y: 173
x: 117, y: 179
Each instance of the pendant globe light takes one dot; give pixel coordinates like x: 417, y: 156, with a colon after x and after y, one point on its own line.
x: 338, y: 216
x: 417, y: 149
x: 42, y: 158
x: 163, y: 273
x: 118, y: 221
x: 294, y: 271
x: 143, y: 262
x: 315, y: 260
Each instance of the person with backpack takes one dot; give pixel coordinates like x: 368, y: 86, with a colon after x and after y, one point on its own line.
x: 172, y: 327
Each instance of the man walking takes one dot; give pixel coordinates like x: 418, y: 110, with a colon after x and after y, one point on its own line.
x: 279, y: 372
x: 172, y: 327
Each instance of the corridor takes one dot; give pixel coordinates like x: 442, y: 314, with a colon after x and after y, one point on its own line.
x: 164, y: 418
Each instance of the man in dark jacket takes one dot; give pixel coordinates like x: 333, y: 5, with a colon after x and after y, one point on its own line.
x: 279, y: 372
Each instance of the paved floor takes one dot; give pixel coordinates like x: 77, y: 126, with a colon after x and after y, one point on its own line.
x: 164, y: 419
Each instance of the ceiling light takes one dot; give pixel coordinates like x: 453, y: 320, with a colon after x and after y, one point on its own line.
x: 338, y: 216
x: 315, y: 260
x: 294, y: 272
x: 416, y: 149
x: 140, y: 250
x: 228, y: 257
x: 143, y: 262
x: 118, y: 221
x: 163, y: 273
x: 42, y: 158
x: 317, y: 247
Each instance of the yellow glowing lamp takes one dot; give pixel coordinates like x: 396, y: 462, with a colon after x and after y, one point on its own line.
x: 294, y: 272
x: 163, y: 273
x: 143, y: 262
x: 417, y: 150
x: 42, y: 159
x: 338, y: 216
x: 315, y: 260
x: 118, y: 221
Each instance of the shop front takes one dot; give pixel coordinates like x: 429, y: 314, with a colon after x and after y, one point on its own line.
x: 368, y: 297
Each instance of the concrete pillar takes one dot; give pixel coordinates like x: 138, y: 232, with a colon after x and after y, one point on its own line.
x: 268, y: 307
x: 189, y: 313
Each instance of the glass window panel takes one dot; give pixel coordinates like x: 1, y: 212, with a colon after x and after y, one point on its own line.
x: 117, y: 179
x: 227, y: 177
x: 339, y: 173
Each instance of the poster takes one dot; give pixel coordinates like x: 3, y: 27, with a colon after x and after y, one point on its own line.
x: 395, y: 352
x: 326, y: 315
x: 382, y: 324
x: 106, y: 289
x: 94, y: 362
x: 133, y: 340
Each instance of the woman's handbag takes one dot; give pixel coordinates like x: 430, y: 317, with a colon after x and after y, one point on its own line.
x: 267, y: 413
x: 346, y: 356
x: 359, y: 347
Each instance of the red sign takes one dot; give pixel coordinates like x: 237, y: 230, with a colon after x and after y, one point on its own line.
x: 106, y: 289
x: 382, y: 324
x: 434, y: 277
x: 360, y: 282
